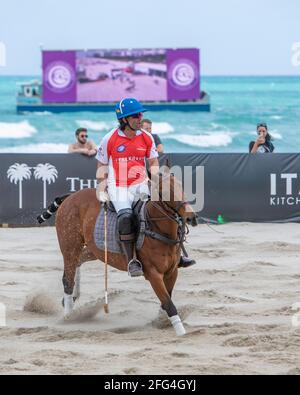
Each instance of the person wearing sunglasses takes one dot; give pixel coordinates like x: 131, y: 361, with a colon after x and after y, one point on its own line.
x: 263, y: 143
x: 83, y: 145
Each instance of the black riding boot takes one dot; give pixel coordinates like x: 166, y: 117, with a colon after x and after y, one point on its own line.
x: 135, y: 268
x: 186, y: 262
x: 126, y: 227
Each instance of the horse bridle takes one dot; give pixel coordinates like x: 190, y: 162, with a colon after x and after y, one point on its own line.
x: 181, y: 232
x: 165, y: 209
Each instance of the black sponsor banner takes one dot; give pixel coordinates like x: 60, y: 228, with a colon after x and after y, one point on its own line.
x: 240, y: 187
x: 253, y: 188
x: 30, y: 182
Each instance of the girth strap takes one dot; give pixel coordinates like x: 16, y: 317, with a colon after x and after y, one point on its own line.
x: 161, y: 238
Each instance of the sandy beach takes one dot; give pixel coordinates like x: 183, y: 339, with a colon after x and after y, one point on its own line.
x: 236, y: 304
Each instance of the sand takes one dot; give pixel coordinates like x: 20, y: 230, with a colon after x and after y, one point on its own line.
x: 236, y: 304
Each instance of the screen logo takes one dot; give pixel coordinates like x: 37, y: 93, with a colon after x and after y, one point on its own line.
x: 183, y: 74
x: 60, y: 77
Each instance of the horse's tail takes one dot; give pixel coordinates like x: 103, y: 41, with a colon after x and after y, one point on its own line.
x: 51, y: 209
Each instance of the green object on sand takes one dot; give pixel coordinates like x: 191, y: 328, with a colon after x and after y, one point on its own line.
x: 221, y: 220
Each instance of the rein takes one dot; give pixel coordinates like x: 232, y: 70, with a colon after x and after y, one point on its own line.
x: 168, y: 214
x: 182, y: 230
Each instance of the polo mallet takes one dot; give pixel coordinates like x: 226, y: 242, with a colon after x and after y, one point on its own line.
x: 106, y: 309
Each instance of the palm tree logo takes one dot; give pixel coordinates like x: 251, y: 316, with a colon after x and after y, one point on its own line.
x: 48, y: 174
x: 17, y: 173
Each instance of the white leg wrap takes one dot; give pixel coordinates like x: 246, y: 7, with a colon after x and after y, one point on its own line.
x: 177, y: 325
x: 69, y: 304
x: 76, y: 292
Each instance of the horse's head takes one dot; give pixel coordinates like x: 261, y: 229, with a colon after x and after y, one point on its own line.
x: 171, y: 194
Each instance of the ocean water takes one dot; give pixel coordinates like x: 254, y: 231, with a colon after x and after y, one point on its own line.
x: 238, y: 104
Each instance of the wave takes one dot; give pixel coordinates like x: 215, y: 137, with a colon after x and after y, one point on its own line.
x: 205, y: 140
x: 276, y: 117
x: 157, y: 127
x: 93, y: 125
x: 37, y: 149
x: 216, y: 126
x: 162, y: 128
x: 19, y: 130
x: 276, y: 135
x: 41, y: 113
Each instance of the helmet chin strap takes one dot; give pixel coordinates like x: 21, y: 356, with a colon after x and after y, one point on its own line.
x: 130, y: 127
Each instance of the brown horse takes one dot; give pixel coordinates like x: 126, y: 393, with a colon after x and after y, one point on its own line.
x: 75, y: 223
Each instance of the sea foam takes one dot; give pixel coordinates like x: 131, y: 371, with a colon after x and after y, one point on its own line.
x: 19, y: 130
x: 157, y: 127
x: 93, y: 125
x: 276, y: 135
x: 162, y: 128
x: 37, y: 149
x: 204, y: 140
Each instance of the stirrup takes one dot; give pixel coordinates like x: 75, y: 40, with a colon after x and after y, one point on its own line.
x: 135, y: 268
x: 186, y: 262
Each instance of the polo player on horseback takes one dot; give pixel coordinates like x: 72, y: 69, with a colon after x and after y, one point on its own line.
x: 122, y: 176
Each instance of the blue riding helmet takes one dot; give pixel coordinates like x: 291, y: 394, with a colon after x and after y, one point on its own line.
x: 127, y: 107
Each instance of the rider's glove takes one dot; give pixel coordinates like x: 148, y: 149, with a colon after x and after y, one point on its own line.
x: 101, y: 192
x: 103, y: 197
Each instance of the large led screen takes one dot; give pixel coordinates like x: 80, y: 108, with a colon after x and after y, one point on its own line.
x: 97, y: 76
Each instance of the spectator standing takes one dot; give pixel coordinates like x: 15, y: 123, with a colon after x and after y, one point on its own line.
x: 147, y: 126
x: 263, y: 143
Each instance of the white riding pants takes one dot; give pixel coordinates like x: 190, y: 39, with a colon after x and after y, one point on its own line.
x: 125, y: 197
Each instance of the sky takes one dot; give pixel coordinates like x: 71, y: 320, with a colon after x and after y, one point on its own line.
x: 236, y: 37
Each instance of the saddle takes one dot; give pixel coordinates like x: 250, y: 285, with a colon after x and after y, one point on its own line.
x: 142, y: 230
x: 113, y: 239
